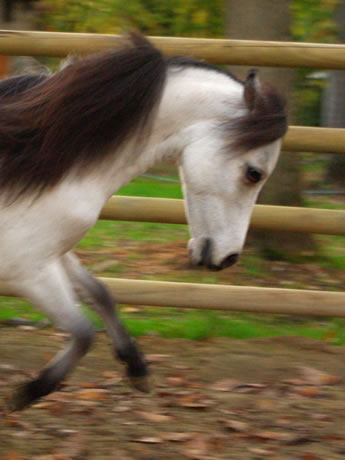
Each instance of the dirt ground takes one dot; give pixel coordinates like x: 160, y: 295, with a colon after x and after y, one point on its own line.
x: 280, y: 398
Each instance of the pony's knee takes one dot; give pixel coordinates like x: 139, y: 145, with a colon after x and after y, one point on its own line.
x: 83, y: 337
x: 101, y: 293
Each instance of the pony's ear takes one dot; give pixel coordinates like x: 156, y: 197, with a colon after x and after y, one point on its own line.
x: 251, y: 89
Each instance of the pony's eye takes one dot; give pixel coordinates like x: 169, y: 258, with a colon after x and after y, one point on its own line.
x: 253, y: 175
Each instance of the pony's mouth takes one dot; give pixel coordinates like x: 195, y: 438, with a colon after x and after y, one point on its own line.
x: 206, y: 257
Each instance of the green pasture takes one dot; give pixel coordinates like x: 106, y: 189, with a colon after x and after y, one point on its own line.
x: 108, y: 236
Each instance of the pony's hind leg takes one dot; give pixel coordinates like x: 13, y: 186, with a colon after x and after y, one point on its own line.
x: 93, y: 292
x: 53, y: 294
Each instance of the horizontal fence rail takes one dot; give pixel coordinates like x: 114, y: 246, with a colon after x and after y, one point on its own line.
x: 223, y: 297
x: 288, y: 54
x: 282, y: 218
x: 218, y: 51
x: 308, y: 139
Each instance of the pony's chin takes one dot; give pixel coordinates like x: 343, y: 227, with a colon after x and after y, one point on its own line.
x: 201, y: 253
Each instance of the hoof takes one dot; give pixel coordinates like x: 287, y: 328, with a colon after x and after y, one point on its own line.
x: 19, y: 400
x: 140, y: 383
x: 137, y: 373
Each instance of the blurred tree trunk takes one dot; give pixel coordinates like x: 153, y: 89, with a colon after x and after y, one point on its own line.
x: 334, y: 108
x: 270, y: 20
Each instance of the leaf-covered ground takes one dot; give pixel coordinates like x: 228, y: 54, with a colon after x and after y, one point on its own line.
x: 281, y: 398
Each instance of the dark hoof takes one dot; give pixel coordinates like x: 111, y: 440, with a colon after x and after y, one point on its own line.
x: 19, y: 400
x: 29, y: 392
x: 141, y: 384
x: 137, y: 371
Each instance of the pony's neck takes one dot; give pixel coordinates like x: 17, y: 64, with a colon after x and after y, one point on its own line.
x: 192, y: 99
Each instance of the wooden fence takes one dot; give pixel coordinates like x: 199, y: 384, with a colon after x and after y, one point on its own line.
x: 325, y: 140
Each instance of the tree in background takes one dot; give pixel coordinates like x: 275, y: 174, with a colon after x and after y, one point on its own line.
x: 334, y: 107
x: 271, y: 20
x: 194, y: 18
x: 323, y: 21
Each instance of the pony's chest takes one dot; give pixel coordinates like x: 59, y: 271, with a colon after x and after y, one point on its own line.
x: 47, y: 227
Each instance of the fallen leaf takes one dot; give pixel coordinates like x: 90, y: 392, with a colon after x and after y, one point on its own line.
x: 110, y: 374
x: 152, y: 417
x: 224, y: 385
x: 93, y: 394
x: 249, y: 387
x: 88, y: 385
x: 9, y: 368
x: 322, y: 417
x: 309, y: 456
x: 175, y: 380
x: 308, y: 391
x: 54, y: 407
x: 59, y: 396
x: 156, y: 358
x: 120, y: 409
x: 198, y: 447
x: 235, y: 425
x: 283, y: 437
x: 271, y: 435
x: 316, y: 377
x: 176, y: 437
x: 149, y: 440
x: 297, y: 438
x: 193, y: 400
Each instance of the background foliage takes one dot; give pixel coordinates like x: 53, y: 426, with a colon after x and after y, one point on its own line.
x: 194, y: 18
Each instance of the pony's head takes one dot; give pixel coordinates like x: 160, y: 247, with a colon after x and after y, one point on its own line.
x: 223, y: 169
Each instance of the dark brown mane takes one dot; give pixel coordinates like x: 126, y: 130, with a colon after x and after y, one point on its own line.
x: 265, y: 123
x: 73, y: 117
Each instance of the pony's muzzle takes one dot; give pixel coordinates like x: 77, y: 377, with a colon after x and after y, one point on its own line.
x: 206, y: 257
x: 229, y: 261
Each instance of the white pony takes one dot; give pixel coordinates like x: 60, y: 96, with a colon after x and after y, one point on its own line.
x: 69, y: 140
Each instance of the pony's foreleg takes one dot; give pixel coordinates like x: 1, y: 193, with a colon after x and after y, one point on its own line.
x: 93, y: 292
x: 53, y: 294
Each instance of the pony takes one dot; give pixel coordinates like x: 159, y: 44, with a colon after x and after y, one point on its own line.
x: 70, y: 139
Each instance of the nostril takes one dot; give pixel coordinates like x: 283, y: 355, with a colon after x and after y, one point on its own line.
x: 206, y: 252
x: 230, y: 260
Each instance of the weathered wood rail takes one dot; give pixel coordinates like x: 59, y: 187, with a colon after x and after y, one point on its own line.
x: 283, y: 218
x: 223, y: 297
x: 218, y: 51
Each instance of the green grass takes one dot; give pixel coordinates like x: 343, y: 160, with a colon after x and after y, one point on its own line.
x: 202, y: 325
x: 254, y: 265
x: 112, y: 233
x: 145, y: 186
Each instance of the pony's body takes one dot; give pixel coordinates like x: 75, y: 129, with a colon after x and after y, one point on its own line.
x: 189, y: 120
